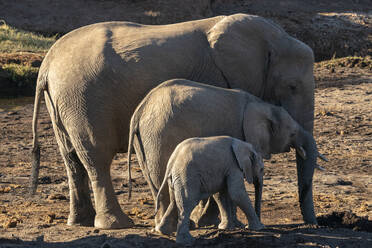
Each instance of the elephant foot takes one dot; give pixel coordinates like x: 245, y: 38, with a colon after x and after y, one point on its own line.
x: 110, y: 221
x: 166, y: 228
x: 238, y: 224
x: 225, y: 225
x: 185, y: 239
x: 256, y: 226
x: 85, y: 218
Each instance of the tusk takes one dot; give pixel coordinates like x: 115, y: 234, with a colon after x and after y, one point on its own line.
x: 322, y: 157
x: 319, y: 167
x: 301, y: 152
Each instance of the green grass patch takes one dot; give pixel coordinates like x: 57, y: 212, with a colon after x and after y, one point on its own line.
x: 20, y: 73
x: 15, y: 40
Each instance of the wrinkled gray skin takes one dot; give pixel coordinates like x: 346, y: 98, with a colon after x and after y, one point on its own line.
x: 95, y: 76
x: 200, y: 167
x: 179, y: 109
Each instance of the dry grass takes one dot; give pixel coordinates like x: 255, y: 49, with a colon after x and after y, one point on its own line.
x: 14, y: 40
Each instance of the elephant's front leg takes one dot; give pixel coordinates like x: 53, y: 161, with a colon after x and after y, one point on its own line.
x: 240, y: 197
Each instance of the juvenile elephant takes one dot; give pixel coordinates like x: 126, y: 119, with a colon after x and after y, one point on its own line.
x: 179, y: 109
x: 94, y: 77
x: 200, y: 167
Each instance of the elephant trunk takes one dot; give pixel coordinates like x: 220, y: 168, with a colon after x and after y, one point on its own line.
x: 258, y: 196
x: 305, y: 172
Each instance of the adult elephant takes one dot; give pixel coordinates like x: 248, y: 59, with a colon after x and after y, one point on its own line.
x: 94, y: 77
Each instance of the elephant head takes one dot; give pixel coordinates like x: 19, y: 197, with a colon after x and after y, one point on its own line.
x: 270, y: 129
x: 249, y: 161
x: 259, y: 57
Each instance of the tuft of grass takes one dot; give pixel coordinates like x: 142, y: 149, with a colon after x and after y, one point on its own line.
x: 21, y: 73
x: 15, y: 40
x: 351, y: 61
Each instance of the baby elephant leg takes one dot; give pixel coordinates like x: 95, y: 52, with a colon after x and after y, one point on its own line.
x: 170, y: 216
x: 185, y: 206
x: 238, y: 194
x: 225, y: 207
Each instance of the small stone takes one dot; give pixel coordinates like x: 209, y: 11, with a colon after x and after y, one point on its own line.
x: 50, y: 217
x: 12, y: 113
x: 45, y: 180
x: 40, y: 238
x: 5, y: 189
x: 57, y: 197
x: 96, y: 231
x: 10, y: 223
x: 342, y: 182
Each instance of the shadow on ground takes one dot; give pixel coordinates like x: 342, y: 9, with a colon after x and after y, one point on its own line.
x: 293, y: 235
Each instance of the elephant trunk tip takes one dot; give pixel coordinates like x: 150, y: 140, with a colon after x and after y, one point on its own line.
x: 35, y: 169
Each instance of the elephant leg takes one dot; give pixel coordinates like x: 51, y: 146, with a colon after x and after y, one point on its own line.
x: 185, y: 206
x: 154, y: 182
x: 81, y: 207
x: 222, y: 199
x: 305, y: 172
x: 240, y: 197
x: 97, y: 162
x: 169, y: 219
x: 206, y: 213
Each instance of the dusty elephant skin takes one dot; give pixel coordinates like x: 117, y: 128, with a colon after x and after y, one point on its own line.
x: 95, y: 76
x: 200, y: 167
x: 179, y: 109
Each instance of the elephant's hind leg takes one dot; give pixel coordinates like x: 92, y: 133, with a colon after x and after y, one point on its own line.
x: 186, y: 202
x: 97, y: 161
x: 168, y: 223
x: 81, y: 207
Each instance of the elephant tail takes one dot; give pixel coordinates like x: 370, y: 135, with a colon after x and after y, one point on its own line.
x: 133, y: 131
x: 41, y: 86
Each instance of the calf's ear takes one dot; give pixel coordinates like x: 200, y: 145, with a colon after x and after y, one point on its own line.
x: 242, y: 155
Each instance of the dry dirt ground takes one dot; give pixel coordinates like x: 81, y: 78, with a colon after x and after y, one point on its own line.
x: 342, y: 193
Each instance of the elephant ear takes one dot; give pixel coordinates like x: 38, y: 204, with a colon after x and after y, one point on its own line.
x: 242, y: 50
x: 242, y: 155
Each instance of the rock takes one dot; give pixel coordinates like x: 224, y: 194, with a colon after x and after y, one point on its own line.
x: 10, y: 223
x: 344, y: 183
x: 50, y: 217
x: 45, y: 180
x: 57, y: 197
x: 12, y: 113
x: 5, y: 189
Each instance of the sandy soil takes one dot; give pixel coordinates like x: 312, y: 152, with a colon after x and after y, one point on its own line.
x: 342, y: 193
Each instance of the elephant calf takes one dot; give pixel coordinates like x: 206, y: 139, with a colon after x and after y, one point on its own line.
x: 200, y: 167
